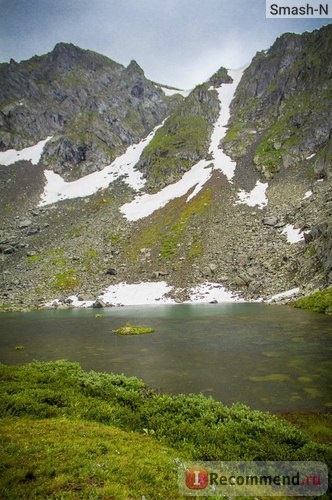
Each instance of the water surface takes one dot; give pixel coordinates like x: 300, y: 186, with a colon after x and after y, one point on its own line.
x: 270, y: 357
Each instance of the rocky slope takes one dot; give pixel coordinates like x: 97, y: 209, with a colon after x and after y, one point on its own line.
x: 93, y: 107
x: 279, y: 133
x: 281, y: 126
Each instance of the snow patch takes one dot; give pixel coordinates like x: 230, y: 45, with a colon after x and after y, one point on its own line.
x: 143, y: 293
x: 32, y: 153
x: 257, y: 196
x: 307, y: 194
x: 284, y: 295
x: 149, y: 293
x: 57, y: 188
x: 226, y: 93
x: 293, y: 235
x: 209, y: 292
x: 311, y: 156
x: 146, y: 204
x: 170, y: 92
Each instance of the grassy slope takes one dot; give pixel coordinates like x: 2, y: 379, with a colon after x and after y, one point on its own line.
x: 318, y: 302
x: 72, y: 434
x: 65, y: 458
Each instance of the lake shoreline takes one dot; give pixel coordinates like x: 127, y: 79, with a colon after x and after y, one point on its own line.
x: 153, y: 293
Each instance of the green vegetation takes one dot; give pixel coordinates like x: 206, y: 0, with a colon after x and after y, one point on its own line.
x: 65, y: 281
x: 89, y: 461
x: 284, y: 134
x: 98, y: 202
x: 317, y: 426
x: 221, y: 76
x: 129, y: 329
x: 168, y: 227
x: 238, y: 126
x: 179, y: 132
x: 183, y: 139
x: 197, y: 207
x: 174, y: 144
x: 320, y: 301
x: 115, y: 238
x: 33, y: 259
x: 196, y: 249
x: 67, y: 433
x: 57, y: 257
x: 272, y: 377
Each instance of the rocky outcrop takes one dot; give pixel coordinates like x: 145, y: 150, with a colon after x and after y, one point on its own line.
x: 281, y: 113
x: 185, y: 137
x: 93, y: 107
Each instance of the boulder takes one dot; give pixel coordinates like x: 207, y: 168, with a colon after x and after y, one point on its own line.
x: 111, y: 271
x: 24, y: 223
x: 270, y: 221
x: 98, y: 304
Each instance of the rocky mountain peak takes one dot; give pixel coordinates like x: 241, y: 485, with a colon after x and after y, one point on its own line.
x: 221, y: 76
x: 92, y: 106
x: 134, y: 68
x: 282, y: 108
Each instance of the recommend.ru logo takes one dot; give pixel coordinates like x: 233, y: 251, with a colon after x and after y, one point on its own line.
x: 253, y: 478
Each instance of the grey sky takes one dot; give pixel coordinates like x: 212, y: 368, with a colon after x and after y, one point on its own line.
x: 179, y: 42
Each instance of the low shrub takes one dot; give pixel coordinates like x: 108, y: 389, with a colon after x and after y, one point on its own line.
x: 197, y: 425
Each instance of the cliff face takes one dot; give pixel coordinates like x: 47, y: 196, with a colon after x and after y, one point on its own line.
x: 281, y: 113
x: 279, y: 134
x: 280, y: 126
x: 93, y: 107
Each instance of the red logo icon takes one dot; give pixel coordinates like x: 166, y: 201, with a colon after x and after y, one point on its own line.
x: 197, y: 478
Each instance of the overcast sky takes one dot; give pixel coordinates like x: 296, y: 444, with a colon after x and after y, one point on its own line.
x: 176, y: 42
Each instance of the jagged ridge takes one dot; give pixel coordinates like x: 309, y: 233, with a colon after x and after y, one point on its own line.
x: 93, y: 106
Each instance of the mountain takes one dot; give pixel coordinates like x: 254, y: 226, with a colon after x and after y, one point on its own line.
x: 93, y: 107
x: 127, y: 181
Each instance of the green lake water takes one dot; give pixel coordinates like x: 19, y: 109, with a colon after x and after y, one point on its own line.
x: 270, y: 357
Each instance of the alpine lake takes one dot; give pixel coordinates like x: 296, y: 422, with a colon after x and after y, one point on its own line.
x: 269, y: 357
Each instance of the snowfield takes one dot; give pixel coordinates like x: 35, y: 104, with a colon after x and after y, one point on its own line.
x: 284, y: 295
x: 149, y: 293
x: 32, y: 153
x: 145, y: 204
x: 225, y: 92
x: 57, y: 189
x: 169, y: 92
x: 137, y: 293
